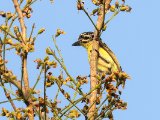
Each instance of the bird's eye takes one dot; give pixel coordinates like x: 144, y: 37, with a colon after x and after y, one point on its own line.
x: 92, y: 35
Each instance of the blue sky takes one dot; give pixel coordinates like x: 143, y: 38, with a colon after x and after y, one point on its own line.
x: 133, y: 37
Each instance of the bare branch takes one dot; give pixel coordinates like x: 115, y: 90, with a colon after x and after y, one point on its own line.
x: 94, y: 55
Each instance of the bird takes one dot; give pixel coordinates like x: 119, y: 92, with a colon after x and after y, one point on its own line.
x: 106, y: 62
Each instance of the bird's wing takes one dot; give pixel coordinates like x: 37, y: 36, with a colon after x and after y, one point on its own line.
x: 112, y: 55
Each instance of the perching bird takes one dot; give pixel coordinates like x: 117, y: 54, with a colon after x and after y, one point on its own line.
x: 107, y: 61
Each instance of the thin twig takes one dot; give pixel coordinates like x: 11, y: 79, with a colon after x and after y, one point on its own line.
x: 110, y: 105
x: 55, y: 98
x: 21, y: 20
x: 11, y: 99
x: 7, y: 90
x: 33, y: 26
x: 45, y: 75
x: 23, y: 33
x: 4, y: 67
x: 59, y: 52
x: 6, y: 32
x: 80, y: 99
x: 114, y: 15
x: 39, y: 77
x: 88, y: 16
x: 69, y: 100
x: 65, y: 69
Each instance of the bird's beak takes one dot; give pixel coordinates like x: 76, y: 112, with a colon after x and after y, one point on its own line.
x: 76, y: 43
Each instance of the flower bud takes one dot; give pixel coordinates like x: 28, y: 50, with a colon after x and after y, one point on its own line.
x: 122, y: 8
x: 41, y: 31
x: 112, y: 8
x: 48, y: 51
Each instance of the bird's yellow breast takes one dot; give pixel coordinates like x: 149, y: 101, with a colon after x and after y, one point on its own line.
x: 105, y: 62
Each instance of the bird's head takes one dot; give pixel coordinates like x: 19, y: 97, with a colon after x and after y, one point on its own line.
x: 85, y: 39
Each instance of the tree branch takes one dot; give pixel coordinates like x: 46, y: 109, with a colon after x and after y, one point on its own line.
x: 94, y: 56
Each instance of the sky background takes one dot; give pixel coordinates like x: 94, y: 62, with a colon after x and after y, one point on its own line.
x: 133, y: 37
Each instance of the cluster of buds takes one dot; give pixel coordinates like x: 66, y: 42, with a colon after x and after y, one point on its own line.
x: 59, y: 32
x: 97, y: 2
x: 50, y: 79
x: 41, y: 103
x: 66, y: 95
x: 112, y: 89
x: 10, y: 115
x: 5, y: 112
x: 17, y: 33
x: 118, y: 77
x: 8, y: 41
x: 112, y: 83
x: 8, y: 76
x: 29, y: 1
x: 81, y: 81
x: 68, y: 79
x: 4, y: 28
x: 39, y: 63
x: 2, y: 63
x: 7, y: 15
x: 104, y: 114
x: 28, y: 48
x: 73, y: 114
x: 27, y: 12
x: 21, y: 49
x: 85, y: 109
x: 122, y: 7
x: 19, y: 93
x: 125, y: 8
x: 80, y: 5
x: 121, y: 105
x: 54, y: 108
x: 45, y: 63
x: 86, y: 100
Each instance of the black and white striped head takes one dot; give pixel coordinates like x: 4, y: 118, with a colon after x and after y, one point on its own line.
x: 84, y: 39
